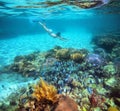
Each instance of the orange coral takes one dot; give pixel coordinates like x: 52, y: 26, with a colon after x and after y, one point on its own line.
x: 44, y: 91
x: 45, y: 98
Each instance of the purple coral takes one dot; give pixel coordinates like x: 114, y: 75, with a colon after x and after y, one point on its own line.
x: 94, y: 59
x: 105, y: 1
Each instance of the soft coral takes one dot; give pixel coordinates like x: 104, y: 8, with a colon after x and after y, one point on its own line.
x: 44, y: 91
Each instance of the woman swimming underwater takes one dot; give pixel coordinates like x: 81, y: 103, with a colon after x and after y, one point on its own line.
x: 51, y: 33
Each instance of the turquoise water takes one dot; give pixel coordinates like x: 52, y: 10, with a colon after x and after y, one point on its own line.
x: 22, y: 36
x: 19, y: 35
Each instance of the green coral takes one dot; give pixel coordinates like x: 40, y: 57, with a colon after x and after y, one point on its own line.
x: 109, y: 69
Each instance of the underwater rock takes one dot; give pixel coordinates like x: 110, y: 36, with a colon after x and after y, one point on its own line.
x: 66, y: 104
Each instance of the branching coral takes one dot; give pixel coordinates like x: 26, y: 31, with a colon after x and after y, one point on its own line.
x: 44, y: 91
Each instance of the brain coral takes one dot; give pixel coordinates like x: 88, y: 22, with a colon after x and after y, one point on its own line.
x: 62, y: 54
x: 78, y: 57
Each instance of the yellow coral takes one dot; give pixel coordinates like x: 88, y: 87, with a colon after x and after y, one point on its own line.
x: 112, y: 109
x: 62, y: 54
x: 77, y: 56
x: 44, y: 91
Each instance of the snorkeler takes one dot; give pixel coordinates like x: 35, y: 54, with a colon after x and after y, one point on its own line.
x: 50, y: 32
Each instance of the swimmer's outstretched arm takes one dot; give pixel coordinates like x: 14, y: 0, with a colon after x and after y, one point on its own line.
x: 44, y: 26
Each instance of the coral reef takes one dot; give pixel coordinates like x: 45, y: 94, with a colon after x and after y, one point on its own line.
x: 115, y: 52
x: 107, y: 42
x: 96, y: 100
x: 45, y: 98
x: 110, y: 82
x: 44, y: 91
x: 94, y: 59
x: 78, y: 57
x: 11, y: 102
x: 75, y: 73
x: 62, y: 54
x: 110, y: 43
x: 28, y: 65
x: 109, y: 69
x: 32, y: 64
x: 115, y: 92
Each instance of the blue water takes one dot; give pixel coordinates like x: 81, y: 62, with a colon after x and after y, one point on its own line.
x: 22, y: 36
x: 19, y: 35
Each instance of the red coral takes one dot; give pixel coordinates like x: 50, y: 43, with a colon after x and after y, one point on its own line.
x: 96, y: 100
